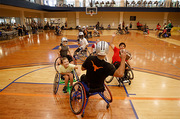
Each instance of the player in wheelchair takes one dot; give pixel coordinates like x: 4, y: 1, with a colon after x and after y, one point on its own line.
x: 119, y: 30
x: 97, y: 69
x: 96, y: 32
x: 116, y: 61
x: 58, y: 31
x: 63, y: 51
x: 81, y: 52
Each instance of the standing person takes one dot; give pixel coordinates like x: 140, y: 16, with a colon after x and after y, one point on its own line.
x: 20, y: 30
x: 130, y: 26
x: 97, y: 69
x: 66, y: 71
x: 123, y: 25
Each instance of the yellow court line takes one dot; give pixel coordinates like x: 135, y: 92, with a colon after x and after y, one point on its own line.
x: 66, y: 96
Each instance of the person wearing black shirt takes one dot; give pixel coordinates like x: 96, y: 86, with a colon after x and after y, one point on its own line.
x: 97, y: 69
x: 20, y: 30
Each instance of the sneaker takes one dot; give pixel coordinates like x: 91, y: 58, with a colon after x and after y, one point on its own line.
x: 65, y: 89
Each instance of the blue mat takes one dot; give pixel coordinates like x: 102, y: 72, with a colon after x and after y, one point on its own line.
x: 74, y: 46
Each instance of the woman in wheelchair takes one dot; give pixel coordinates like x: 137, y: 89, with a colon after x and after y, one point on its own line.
x: 66, y: 71
x: 82, y: 43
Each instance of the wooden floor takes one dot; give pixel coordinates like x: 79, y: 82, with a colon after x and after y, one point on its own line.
x: 27, y: 74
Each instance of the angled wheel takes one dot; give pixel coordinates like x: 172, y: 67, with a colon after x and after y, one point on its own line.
x: 77, y: 98
x: 56, y: 83
x: 109, y: 79
x: 57, y: 63
x: 107, y: 94
x: 130, y: 73
x: 82, y: 55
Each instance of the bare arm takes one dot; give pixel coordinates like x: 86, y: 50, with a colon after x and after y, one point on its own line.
x: 82, y: 68
x: 112, y: 40
x: 120, y: 71
x: 59, y: 51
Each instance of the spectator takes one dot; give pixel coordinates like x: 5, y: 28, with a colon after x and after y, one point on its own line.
x: 20, y: 29
x: 130, y: 26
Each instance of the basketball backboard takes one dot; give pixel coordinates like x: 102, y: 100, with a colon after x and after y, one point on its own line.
x: 91, y: 10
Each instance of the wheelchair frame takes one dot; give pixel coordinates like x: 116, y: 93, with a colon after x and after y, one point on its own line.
x: 82, y: 54
x: 129, y: 76
x: 81, y: 95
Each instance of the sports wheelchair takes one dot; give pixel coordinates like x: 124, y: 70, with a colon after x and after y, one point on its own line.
x: 96, y: 34
x: 82, y: 54
x: 58, y: 79
x: 118, y: 32
x: 128, y: 76
x: 80, y: 94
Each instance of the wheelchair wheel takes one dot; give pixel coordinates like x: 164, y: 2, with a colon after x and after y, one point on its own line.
x: 109, y: 79
x: 82, y: 55
x: 56, y: 83
x: 57, y: 63
x: 107, y: 94
x: 130, y: 74
x: 77, y: 98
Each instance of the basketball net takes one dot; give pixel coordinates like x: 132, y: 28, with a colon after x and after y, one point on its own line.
x: 91, y: 13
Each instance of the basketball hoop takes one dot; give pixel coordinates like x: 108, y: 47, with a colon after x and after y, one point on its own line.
x: 91, y: 10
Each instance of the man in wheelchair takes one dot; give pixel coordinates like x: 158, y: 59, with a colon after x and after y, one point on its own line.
x: 82, y: 43
x: 97, y: 69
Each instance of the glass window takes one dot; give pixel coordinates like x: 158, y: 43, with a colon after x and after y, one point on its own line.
x: 50, y: 2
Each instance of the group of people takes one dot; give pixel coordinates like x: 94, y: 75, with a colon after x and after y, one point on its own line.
x: 166, y: 30
x: 97, y: 68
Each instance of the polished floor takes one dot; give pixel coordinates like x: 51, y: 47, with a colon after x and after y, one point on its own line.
x: 27, y: 74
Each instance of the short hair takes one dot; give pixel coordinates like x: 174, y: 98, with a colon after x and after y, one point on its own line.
x: 122, y: 43
x: 64, y: 58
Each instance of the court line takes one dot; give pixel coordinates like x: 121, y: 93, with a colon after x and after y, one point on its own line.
x: 26, y: 65
x: 156, y: 54
x: 131, y: 102
x: 64, y: 96
x: 22, y: 76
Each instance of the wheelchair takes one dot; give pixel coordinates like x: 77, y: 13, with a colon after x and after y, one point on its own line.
x: 80, y: 94
x: 118, y: 32
x: 58, y: 79
x: 58, y: 33
x: 128, y: 76
x: 82, y: 54
x: 95, y: 34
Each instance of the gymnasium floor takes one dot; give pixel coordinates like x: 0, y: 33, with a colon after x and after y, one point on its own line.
x: 27, y: 74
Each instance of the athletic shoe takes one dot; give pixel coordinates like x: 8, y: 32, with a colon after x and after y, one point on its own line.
x: 65, y: 89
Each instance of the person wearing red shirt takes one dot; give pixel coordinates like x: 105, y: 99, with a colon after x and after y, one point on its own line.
x: 116, y: 60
